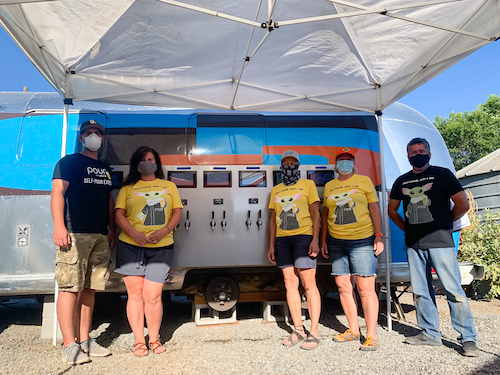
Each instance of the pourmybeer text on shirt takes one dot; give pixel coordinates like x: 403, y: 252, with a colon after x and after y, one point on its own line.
x: 102, y: 176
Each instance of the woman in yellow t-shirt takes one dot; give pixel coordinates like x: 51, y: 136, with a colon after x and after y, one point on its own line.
x: 351, y: 236
x: 293, y: 247
x: 147, y: 209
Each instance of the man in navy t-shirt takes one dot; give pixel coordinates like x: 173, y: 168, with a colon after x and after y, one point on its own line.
x: 426, y: 192
x: 83, y: 213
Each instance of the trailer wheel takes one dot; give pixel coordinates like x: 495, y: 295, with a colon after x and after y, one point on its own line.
x: 222, y: 293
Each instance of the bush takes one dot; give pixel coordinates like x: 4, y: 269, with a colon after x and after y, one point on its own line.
x: 481, y: 244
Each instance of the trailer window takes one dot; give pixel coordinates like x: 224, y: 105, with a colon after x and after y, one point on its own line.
x: 217, y: 179
x: 320, y: 178
x: 252, y: 179
x: 184, y: 179
x: 116, y: 179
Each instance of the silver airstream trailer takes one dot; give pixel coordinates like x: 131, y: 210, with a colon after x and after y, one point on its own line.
x: 224, y: 164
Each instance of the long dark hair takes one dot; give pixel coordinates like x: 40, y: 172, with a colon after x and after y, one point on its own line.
x: 137, y: 156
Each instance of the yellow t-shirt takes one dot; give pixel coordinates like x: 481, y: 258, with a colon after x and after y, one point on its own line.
x: 148, y: 206
x: 347, y: 203
x: 291, y: 204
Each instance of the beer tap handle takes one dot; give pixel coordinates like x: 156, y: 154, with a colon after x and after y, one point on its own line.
x: 259, y: 220
x: 187, y: 224
x: 213, y: 223
x: 223, y: 223
x: 248, y: 222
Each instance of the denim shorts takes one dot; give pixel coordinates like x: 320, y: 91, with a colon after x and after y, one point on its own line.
x: 293, y: 251
x: 354, y: 257
x: 152, y: 263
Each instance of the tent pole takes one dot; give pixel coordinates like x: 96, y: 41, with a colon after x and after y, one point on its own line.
x: 64, y: 142
x: 385, y: 220
x: 67, y: 102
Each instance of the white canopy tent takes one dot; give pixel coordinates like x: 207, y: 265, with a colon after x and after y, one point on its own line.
x: 274, y: 55
x: 280, y: 55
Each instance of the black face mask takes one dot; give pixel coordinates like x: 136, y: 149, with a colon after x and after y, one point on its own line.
x: 419, y: 160
x: 290, y: 174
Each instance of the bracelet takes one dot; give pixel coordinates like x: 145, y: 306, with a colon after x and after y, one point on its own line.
x: 169, y: 230
x: 379, y: 234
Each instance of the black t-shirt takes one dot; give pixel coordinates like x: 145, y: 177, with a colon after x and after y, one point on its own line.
x: 426, y: 204
x: 86, y: 208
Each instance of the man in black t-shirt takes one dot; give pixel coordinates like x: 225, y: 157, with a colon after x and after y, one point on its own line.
x: 426, y: 192
x: 83, y: 210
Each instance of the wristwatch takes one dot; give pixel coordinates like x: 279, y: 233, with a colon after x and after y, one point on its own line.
x: 379, y: 234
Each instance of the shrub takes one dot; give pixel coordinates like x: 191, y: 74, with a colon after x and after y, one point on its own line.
x: 481, y: 244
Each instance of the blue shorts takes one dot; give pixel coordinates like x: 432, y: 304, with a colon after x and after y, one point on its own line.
x: 293, y: 251
x: 152, y: 263
x: 354, y: 257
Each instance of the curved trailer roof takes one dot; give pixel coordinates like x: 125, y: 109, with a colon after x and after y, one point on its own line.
x: 275, y: 55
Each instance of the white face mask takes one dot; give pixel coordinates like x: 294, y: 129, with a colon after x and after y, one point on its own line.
x: 92, y: 142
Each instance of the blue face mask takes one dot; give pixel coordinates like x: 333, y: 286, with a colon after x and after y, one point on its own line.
x: 345, y: 166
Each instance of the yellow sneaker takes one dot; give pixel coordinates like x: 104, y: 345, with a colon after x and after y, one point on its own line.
x: 370, y: 344
x: 346, y: 336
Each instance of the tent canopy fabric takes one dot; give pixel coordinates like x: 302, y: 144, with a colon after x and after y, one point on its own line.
x: 279, y: 55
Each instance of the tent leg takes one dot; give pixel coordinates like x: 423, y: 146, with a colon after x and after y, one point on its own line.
x: 385, y: 221
x: 56, y: 322
x: 67, y: 102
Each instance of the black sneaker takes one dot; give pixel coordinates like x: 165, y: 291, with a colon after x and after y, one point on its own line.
x: 422, y: 339
x: 470, y: 349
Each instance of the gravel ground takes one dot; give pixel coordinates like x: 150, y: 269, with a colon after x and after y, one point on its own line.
x: 250, y: 346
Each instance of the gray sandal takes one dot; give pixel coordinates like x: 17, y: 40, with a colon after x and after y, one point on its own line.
x: 311, y: 339
x: 300, y: 338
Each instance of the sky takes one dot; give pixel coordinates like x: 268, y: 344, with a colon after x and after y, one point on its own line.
x: 460, y: 88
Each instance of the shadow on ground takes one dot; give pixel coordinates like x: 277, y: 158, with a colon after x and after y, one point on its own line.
x: 21, y: 311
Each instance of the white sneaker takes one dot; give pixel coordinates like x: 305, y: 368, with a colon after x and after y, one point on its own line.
x: 74, y: 355
x: 93, y: 349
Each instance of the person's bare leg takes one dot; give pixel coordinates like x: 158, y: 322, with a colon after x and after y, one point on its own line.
x: 153, y: 308
x: 348, y: 302
x: 85, y: 306
x: 308, y: 278
x: 66, y: 306
x: 290, y: 275
x: 369, y: 301
x: 135, y: 306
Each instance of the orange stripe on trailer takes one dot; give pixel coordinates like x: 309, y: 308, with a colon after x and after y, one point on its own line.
x: 211, y: 159
x: 367, y: 162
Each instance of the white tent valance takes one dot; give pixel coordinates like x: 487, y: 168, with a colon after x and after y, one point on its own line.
x: 280, y: 55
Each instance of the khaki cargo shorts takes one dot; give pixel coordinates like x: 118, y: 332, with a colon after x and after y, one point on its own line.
x: 85, y: 264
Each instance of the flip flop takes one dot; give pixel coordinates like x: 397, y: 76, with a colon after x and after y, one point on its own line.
x: 300, y: 338
x: 310, y: 339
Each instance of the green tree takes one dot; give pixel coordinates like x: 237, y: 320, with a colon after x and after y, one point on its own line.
x: 480, y: 244
x: 471, y: 135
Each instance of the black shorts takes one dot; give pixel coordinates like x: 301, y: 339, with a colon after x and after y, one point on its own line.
x: 293, y: 251
x: 152, y: 263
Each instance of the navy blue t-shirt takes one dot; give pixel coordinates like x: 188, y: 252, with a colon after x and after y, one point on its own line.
x: 427, y: 206
x: 86, y: 208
